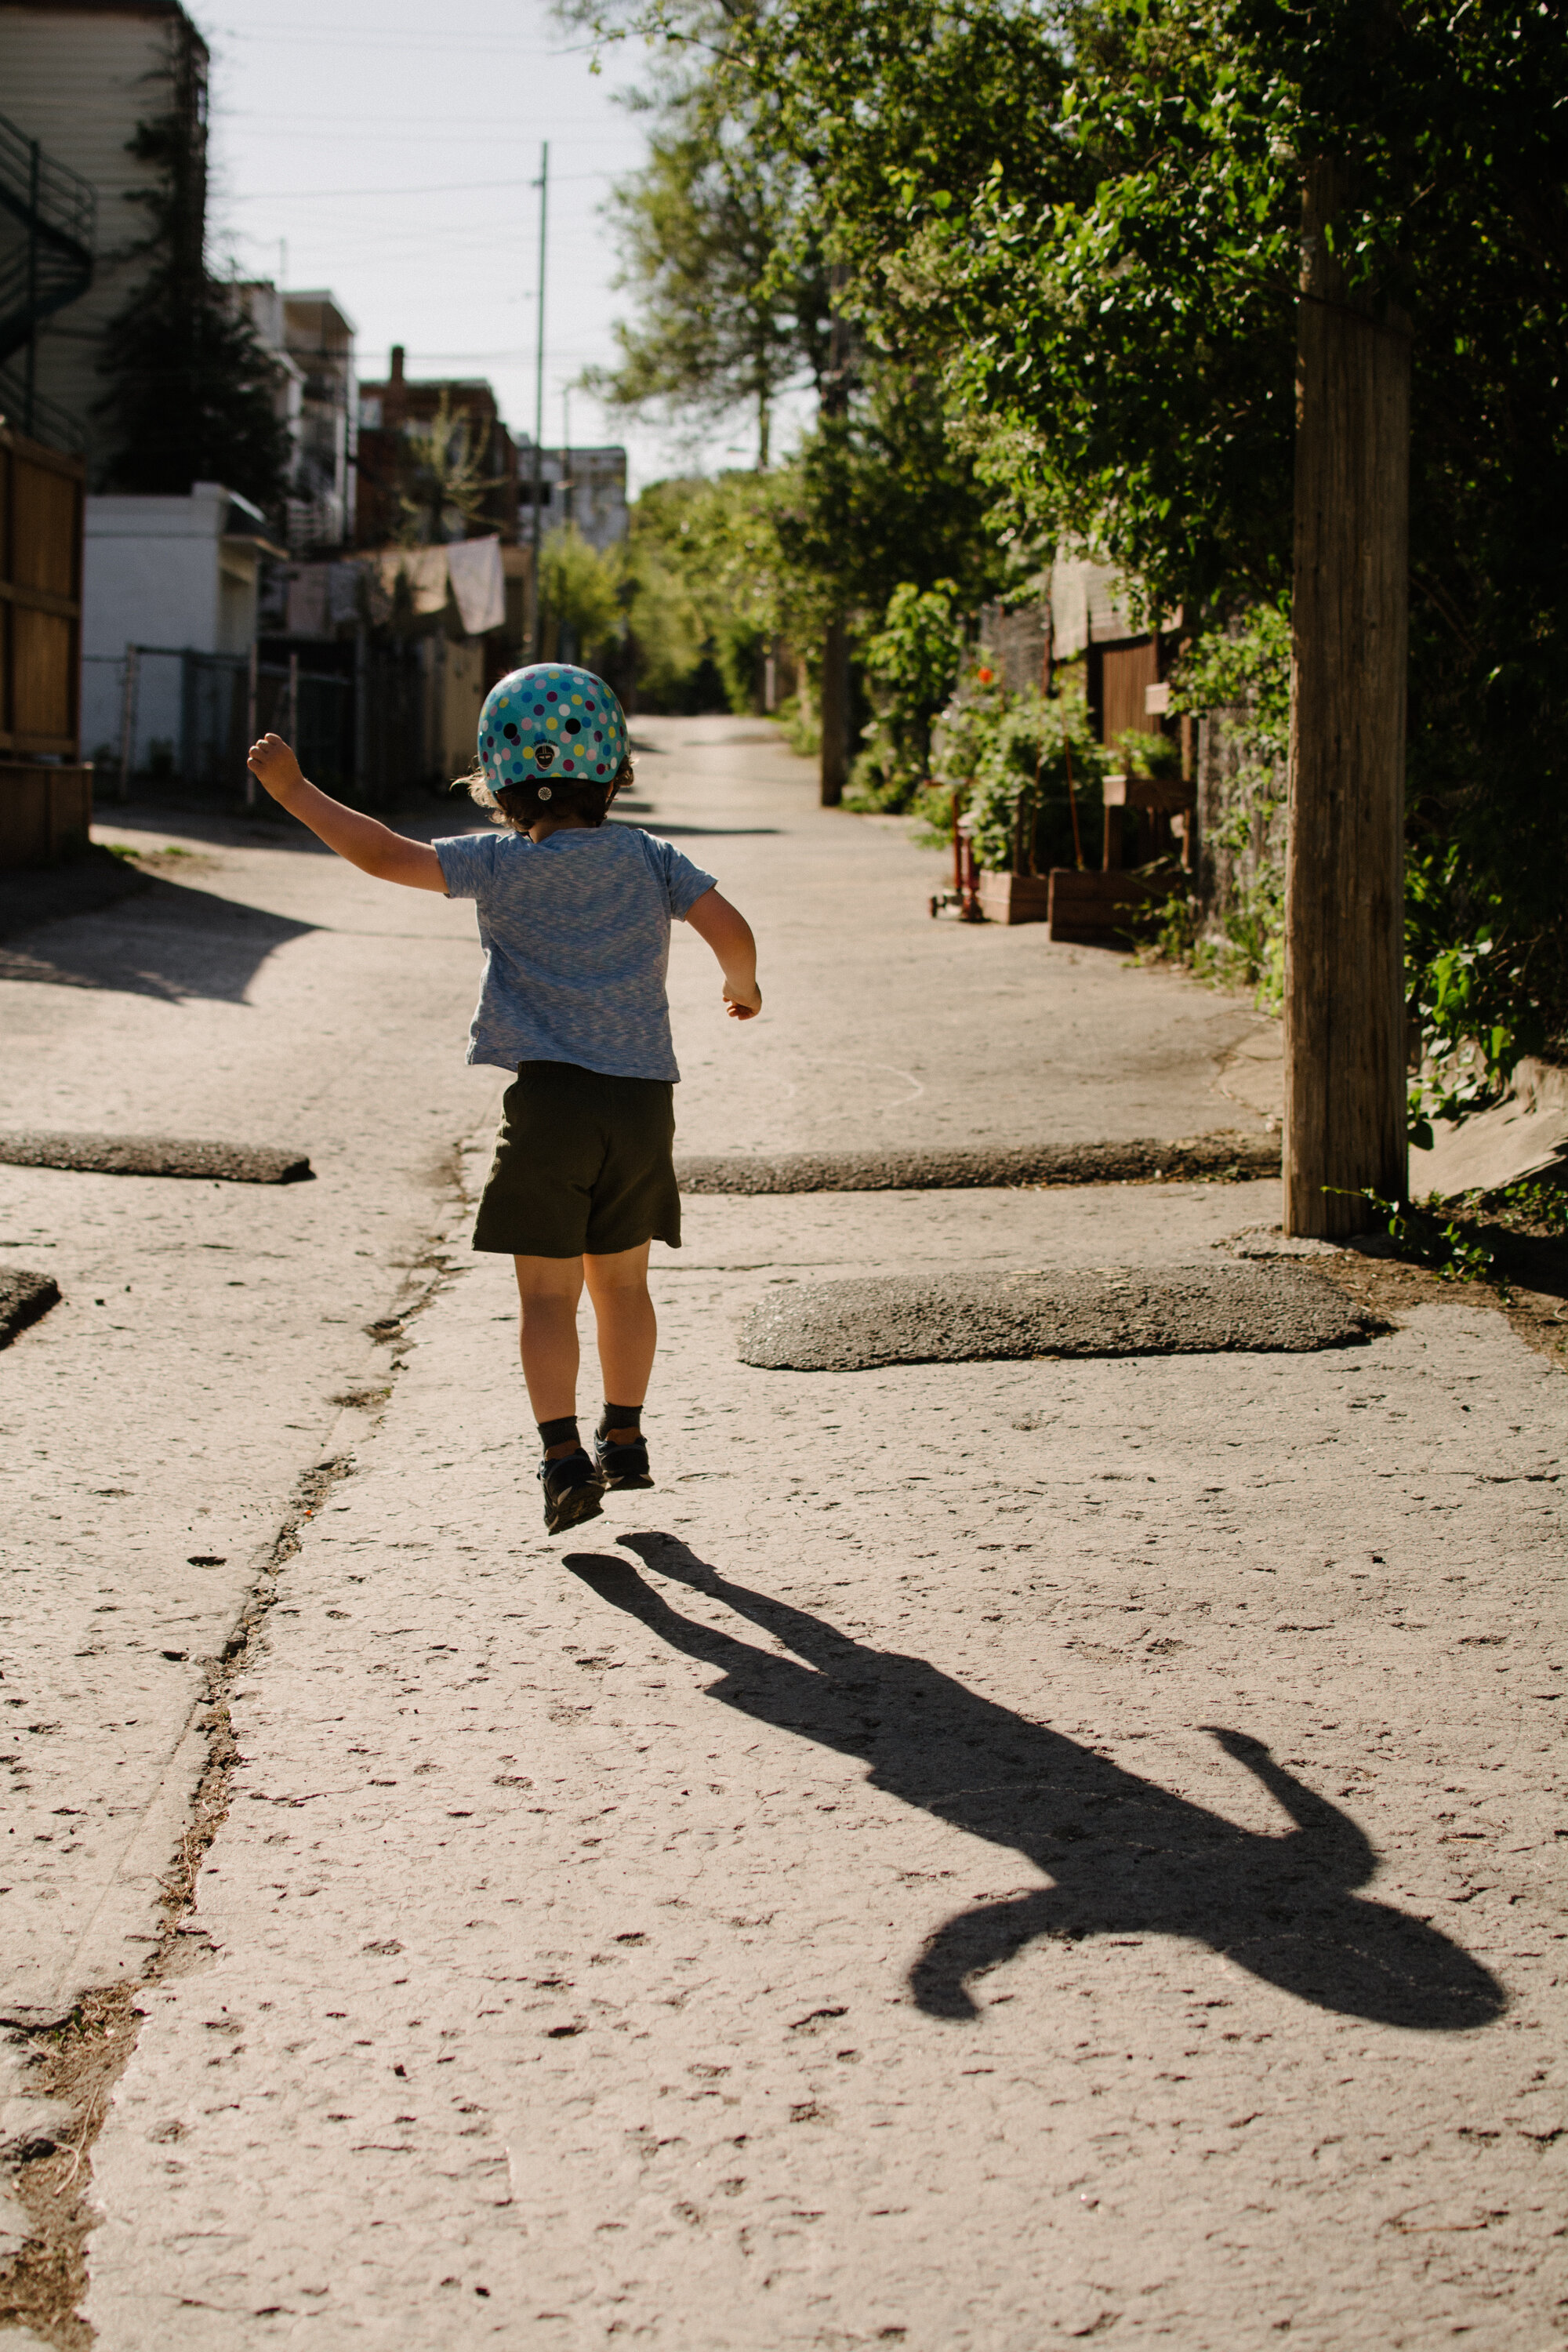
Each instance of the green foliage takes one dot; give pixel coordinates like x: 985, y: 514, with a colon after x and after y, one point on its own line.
x: 579, y: 596
x: 1469, y: 988
x: 1536, y: 1207
x: 799, y: 717
x: 878, y: 497
x: 1244, y: 670
x: 703, y: 576
x: 1098, y: 209
x: 722, y: 239
x: 1016, y: 765
x: 1085, y: 219
x: 1232, y: 933
x: 911, y: 668
x: 1421, y: 1234
x: 720, y: 252
x: 875, y: 502
x: 191, y: 390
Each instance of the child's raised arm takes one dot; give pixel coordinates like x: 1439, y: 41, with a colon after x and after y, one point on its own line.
x: 374, y: 848
x: 729, y: 935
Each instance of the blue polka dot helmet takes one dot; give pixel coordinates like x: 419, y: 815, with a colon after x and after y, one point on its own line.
x: 550, y: 722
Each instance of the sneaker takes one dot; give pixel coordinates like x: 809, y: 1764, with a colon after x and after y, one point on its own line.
x: 623, y: 1465
x: 573, y: 1487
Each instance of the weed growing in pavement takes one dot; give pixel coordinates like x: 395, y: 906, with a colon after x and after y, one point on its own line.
x: 1537, y: 1208
x: 1457, y: 1239
x: 1420, y: 1238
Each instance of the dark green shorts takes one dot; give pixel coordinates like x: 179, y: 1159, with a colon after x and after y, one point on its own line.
x: 582, y: 1163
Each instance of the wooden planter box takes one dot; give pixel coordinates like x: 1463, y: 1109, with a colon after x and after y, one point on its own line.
x: 1014, y: 898
x: 46, y: 813
x: 1095, y: 909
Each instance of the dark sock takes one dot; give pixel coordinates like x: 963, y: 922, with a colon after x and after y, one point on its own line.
x: 560, y: 1437
x: 620, y: 1418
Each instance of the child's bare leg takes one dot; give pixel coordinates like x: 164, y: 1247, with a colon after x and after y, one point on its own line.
x: 628, y: 1328
x: 549, y: 1289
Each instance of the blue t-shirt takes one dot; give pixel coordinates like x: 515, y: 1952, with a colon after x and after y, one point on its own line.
x: 575, y: 930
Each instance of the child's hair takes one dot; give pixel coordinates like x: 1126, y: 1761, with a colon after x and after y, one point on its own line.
x: 521, y: 806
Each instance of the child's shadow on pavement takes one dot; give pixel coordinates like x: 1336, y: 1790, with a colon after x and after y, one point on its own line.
x: 1125, y: 1856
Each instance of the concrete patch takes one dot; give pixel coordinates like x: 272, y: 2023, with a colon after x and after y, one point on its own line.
x: 155, y: 1155
x: 24, y: 1297
x: 1226, y: 1155
x: 850, y: 1327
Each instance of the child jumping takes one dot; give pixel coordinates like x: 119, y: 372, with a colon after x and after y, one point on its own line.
x: 573, y: 918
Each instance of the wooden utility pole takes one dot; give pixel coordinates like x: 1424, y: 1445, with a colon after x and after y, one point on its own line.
x: 835, y: 762
x: 1345, y: 948
x: 536, y: 615
x: 835, y: 699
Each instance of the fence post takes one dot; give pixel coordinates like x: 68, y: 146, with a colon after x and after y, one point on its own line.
x: 252, y: 692
x: 128, y: 721
x: 361, y: 762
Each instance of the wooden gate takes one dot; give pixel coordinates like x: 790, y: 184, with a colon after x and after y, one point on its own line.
x: 45, y: 797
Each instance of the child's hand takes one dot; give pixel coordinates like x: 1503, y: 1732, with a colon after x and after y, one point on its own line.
x: 274, y: 766
x: 743, y: 1003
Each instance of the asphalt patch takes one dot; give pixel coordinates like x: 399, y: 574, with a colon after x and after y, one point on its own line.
x: 1223, y: 1157
x: 987, y: 1318
x: 155, y: 1155
x: 24, y: 1297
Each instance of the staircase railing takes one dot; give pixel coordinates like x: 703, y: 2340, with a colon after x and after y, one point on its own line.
x: 49, y: 262
x: 27, y: 411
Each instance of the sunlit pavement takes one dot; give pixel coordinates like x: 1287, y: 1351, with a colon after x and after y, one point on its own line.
x: 989, y: 1854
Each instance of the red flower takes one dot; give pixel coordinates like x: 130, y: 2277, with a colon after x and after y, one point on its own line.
x: 985, y: 677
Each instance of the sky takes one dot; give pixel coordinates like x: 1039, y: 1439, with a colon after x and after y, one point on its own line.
x: 386, y: 151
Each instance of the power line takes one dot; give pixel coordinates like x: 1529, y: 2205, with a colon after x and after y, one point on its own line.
x: 323, y: 37
x: 441, y: 188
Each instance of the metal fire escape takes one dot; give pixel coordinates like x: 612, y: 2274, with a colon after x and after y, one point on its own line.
x: 46, y: 219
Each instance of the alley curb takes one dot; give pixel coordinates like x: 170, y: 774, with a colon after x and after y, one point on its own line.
x: 1225, y: 1157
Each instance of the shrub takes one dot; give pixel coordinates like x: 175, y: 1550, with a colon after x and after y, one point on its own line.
x: 910, y: 668
x: 1021, y: 766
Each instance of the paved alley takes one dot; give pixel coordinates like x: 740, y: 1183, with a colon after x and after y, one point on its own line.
x: 987, y: 1855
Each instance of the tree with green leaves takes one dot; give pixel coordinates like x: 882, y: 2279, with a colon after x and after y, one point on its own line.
x: 722, y: 236
x: 911, y: 668
x: 579, y: 598
x: 722, y: 259
x: 1096, y: 215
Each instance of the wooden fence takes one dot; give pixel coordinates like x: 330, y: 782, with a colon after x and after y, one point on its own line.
x: 46, y: 796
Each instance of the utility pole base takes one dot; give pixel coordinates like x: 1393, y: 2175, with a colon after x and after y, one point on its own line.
x: 835, y: 770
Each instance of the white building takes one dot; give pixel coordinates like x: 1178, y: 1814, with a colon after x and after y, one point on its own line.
x: 585, y: 487
x: 267, y: 310
x: 311, y: 339
x: 319, y: 339
x: 175, y: 581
